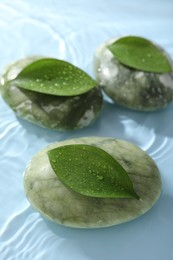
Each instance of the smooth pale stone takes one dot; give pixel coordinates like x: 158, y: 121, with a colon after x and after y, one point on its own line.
x: 132, y: 88
x: 56, y: 112
x: 52, y: 199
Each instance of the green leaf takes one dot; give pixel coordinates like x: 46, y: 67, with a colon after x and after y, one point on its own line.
x: 141, y: 54
x: 91, y: 171
x: 55, y: 77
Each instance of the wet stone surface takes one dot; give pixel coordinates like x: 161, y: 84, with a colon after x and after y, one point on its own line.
x: 56, y: 112
x: 135, y: 89
x: 52, y: 199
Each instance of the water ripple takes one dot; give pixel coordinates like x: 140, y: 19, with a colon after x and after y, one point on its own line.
x: 12, y: 144
x: 161, y: 149
x: 72, y: 31
x: 22, y: 241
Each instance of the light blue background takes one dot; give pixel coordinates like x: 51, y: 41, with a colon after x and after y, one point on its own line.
x: 72, y: 30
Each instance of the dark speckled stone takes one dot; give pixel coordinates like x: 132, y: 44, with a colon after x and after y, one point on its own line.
x: 56, y: 112
x: 132, y: 88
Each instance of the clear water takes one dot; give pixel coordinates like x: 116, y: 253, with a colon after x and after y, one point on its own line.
x: 72, y: 30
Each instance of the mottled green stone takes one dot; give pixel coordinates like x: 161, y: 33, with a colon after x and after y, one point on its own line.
x: 135, y: 89
x: 56, y: 112
x: 52, y: 199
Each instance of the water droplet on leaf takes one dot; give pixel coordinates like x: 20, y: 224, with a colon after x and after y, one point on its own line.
x: 100, y: 178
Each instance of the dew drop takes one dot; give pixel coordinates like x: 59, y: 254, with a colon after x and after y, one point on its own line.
x: 99, y: 177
